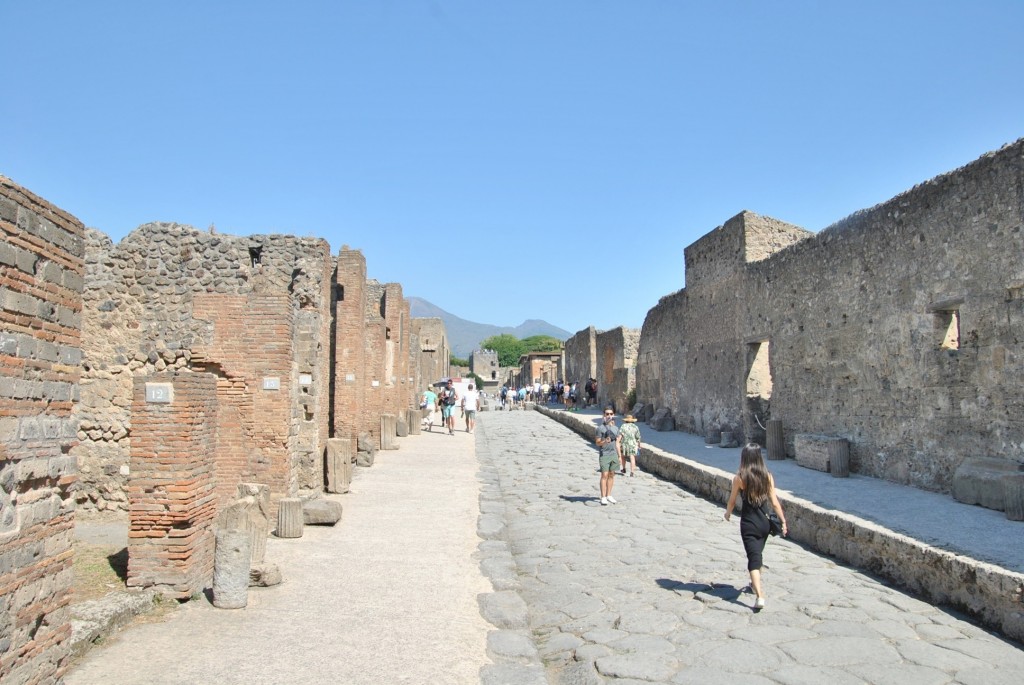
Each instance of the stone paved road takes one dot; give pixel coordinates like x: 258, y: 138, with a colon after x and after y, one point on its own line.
x: 653, y: 589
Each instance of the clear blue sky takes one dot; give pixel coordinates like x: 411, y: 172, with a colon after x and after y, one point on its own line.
x: 489, y: 155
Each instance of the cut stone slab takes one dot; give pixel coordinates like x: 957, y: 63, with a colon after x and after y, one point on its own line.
x: 812, y: 450
x: 979, y: 480
x: 321, y: 512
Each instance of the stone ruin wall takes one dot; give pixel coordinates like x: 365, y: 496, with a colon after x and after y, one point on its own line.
x: 41, y: 274
x: 581, y: 357
x: 616, y: 354
x: 170, y: 297
x: 854, y: 319
x: 691, y: 358
x: 433, y: 352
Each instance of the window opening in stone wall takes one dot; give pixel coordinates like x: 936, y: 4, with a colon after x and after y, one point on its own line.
x: 255, y: 256
x: 387, y: 334
x: 947, y: 324
x: 339, y: 291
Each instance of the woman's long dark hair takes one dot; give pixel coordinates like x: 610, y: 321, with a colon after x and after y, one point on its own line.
x: 757, y: 485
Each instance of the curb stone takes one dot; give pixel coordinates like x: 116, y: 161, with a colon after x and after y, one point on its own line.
x: 96, y: 619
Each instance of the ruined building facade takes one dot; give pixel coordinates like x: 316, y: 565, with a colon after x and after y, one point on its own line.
x: 900, y: 328
x: 158, y: 374
x: 610, y: 357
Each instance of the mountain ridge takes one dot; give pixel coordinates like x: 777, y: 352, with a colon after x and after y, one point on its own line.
x: 464, y: 336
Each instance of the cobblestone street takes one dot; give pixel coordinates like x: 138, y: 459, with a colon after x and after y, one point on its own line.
x: 654, y: 588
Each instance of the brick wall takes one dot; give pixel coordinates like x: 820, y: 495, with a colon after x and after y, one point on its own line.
x: 350, y: 373
x: 251, y: 351
x: 41, y: 269
x: 139, y: 320
x: 171, y: 494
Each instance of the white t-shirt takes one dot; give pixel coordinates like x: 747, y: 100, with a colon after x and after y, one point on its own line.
x: 472, y: 398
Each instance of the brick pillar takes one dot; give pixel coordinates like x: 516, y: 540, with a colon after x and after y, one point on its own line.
x: 350, y: 351
x: 41, y: 267
x: 171, y: 498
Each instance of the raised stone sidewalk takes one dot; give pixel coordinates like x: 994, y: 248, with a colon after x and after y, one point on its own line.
x: 388, y: 595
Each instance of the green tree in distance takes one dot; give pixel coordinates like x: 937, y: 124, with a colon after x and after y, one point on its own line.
x: 510, y: 348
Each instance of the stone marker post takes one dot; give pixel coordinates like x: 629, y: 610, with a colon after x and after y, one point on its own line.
x: 839, y: 457
x: 413, y: 418
x: 339, y: 464
x: 1013, y: 496
x: 776, y: 440
x: 289, y: 518
x: 388, y: 432
x: 231, y: 563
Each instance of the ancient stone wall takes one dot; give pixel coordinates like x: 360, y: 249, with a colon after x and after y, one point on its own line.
x: 616, y: 355
x: 433, y: 354
x: 896, y: 328
x: 257, y: 311
x: 485, y: 364
x: 41, y: 271
x: 581, y: 357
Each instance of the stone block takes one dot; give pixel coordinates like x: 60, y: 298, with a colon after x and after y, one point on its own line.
x: 402, y: 426
x: 662, y: 420
x: 339, y: 465
x: 232, y: 561
x: 728, y: 440
x: 412, y: 420
x: 712, y: 437
x: 812, y: 450
x: 365, y: 459
x: 321, y: 512
x: 265, y: 575
x: 388, y: 432
x: 979, y: 480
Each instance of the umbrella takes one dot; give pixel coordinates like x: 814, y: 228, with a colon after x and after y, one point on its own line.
x: 441, y: 383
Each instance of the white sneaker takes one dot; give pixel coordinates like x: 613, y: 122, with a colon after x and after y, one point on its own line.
x: 604, y: 501
x: 612, y: 500
x: 759, y: 603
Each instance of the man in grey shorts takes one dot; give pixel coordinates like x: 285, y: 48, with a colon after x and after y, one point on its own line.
x: 607, y: 440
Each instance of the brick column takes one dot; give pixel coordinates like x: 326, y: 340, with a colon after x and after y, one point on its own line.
x: 171, y: 498
x: 41, y: 267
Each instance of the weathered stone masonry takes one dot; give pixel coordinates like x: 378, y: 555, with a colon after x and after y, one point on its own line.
x: 254, y: 311
x: 41, y: 269
x: 898, y: 328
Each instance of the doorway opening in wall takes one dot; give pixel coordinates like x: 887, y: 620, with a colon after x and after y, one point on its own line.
x: 255, y: 256
x: 757, y: 403
x: 947, y: 324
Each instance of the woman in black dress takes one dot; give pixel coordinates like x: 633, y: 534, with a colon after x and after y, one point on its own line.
x: 758, y: 488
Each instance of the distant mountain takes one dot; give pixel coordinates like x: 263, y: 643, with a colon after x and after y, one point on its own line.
x: 465, y: 336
